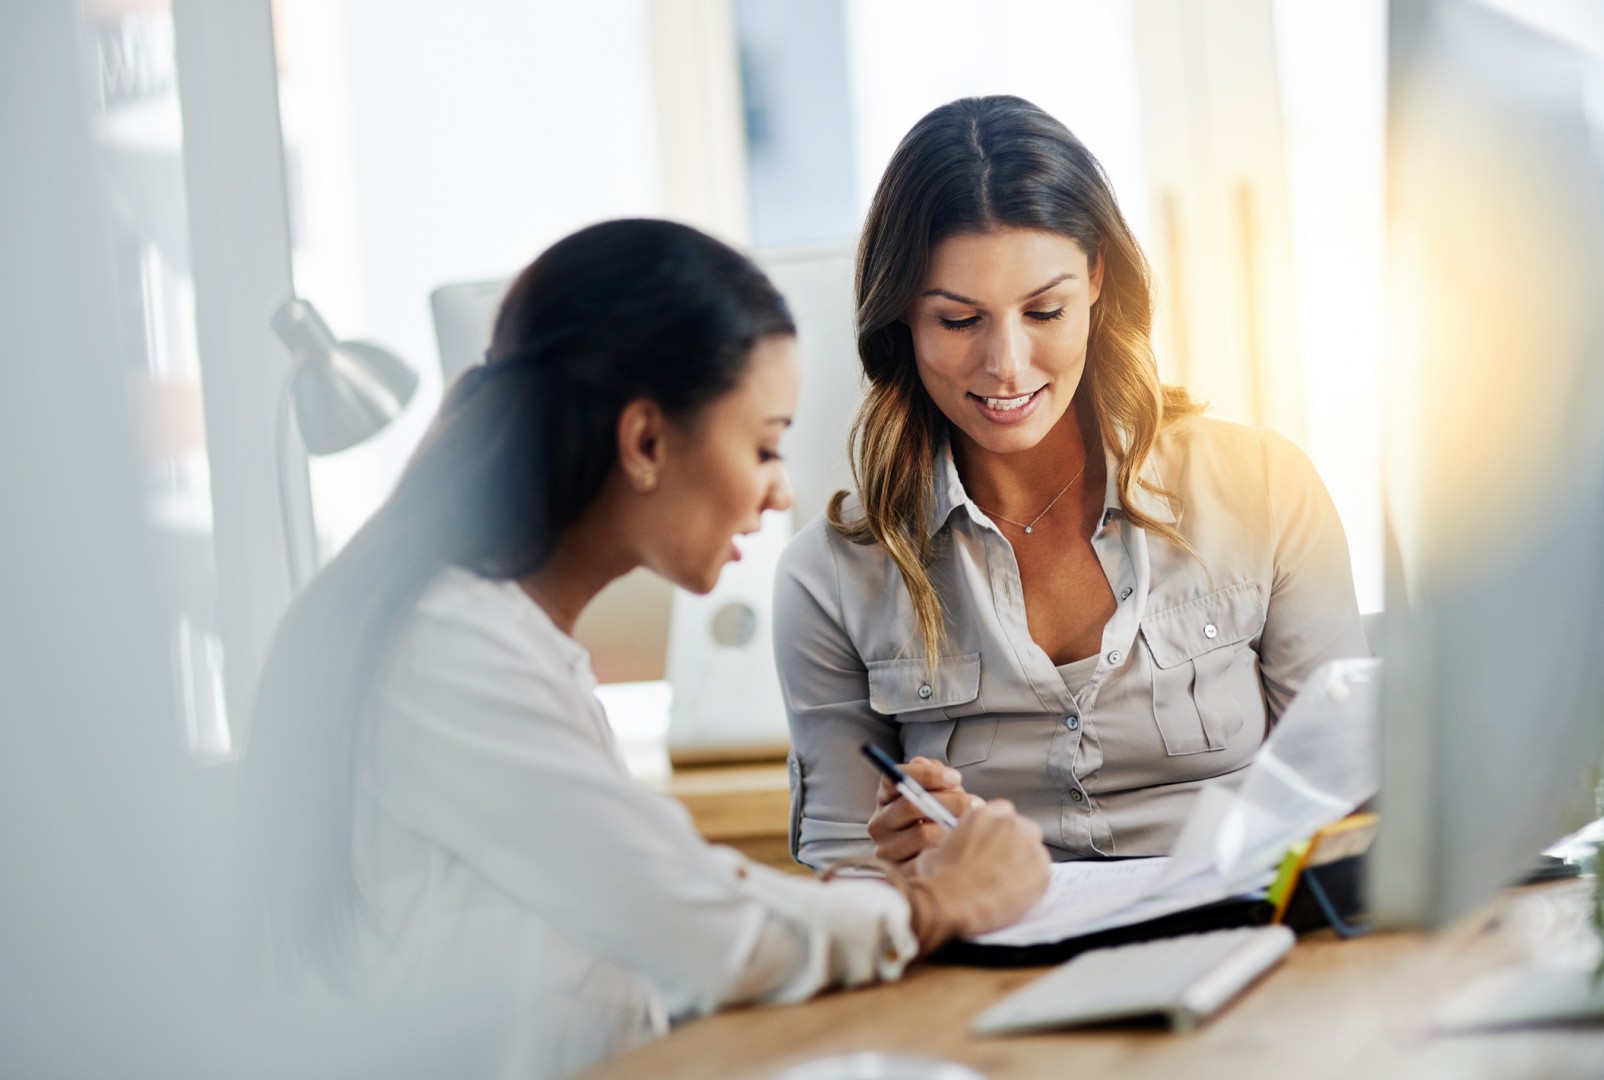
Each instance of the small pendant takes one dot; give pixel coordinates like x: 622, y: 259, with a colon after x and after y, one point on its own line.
x: 1028, y: 529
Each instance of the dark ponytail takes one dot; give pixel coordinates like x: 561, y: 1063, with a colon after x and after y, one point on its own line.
x: 520, y: 448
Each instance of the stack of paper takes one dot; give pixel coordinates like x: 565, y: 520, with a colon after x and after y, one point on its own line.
x: 1318, y: 765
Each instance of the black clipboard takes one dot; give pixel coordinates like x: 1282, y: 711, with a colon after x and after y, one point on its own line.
x: 1251, y: 910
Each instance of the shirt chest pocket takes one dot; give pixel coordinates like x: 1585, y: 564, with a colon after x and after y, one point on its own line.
x: 940, y: 713
x: 1205, y: 671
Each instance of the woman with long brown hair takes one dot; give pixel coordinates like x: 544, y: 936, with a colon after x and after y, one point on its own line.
x: 1057, y: 581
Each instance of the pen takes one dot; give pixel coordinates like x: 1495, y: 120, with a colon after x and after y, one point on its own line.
x: 909, y: 788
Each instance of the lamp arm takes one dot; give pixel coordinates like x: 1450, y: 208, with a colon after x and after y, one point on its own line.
x: 292, y: 555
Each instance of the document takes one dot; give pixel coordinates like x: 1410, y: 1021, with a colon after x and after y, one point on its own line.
x: 1087, y: 896
x: 1078, y: 895
x: 1318, y: 765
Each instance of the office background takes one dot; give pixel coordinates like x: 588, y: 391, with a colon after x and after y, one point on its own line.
x: 362, y: 153
x: 392, y: 148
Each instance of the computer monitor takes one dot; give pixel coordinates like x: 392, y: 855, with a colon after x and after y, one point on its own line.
x: 1494, y: 708
x: 726, y: 703
x: 817, y: 283
x: 626, y: 627
x: 715, y: 650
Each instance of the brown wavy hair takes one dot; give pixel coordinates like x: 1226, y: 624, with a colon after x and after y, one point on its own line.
x: 976, y: 165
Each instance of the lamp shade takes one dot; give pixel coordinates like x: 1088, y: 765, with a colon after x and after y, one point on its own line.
x: 343, y: 391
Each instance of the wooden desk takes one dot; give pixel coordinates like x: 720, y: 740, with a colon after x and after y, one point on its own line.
x: 745, y: 806
x: 1343, y: 1010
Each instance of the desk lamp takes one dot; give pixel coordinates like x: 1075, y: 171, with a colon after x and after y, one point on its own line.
x: 341, y: 393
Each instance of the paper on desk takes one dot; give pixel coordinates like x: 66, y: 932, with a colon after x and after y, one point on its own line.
x: 1079, y: 893
x: 1318, y: 765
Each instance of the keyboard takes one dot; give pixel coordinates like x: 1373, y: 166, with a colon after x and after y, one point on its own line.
x: 1183, y: 980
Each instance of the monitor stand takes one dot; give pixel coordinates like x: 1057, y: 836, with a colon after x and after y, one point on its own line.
x: 1559, y: 983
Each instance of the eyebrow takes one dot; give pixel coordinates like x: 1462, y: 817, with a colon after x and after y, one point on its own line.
x: 956, y: 298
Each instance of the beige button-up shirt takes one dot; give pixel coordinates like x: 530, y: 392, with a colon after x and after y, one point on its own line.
x: 1200, y: 657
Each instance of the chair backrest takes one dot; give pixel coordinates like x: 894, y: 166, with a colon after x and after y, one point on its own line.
x: 463, y: 317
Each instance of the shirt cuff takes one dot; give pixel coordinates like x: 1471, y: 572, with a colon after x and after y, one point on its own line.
x: 844, y: 933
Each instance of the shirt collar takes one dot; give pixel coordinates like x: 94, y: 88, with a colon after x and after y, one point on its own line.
x: 1144, y: 497
x: 950, y: 495
x: 572, y: 653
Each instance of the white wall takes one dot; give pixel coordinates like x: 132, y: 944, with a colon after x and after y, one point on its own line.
x: 1333, y: 69
x: 447, y: 142
x: 1074, y: 58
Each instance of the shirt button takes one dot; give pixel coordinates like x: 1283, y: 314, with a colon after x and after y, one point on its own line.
x: 924, y: 690
x: 1210, y: 631
x: 1125, y: 593
x: 1077, y: 796
x: 1073, y: 722
x: 1114, y: 657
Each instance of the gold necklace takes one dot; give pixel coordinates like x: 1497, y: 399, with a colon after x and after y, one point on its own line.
x: 1031, y: 525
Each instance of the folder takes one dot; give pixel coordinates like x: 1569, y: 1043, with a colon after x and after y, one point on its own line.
x: 1320, y: 880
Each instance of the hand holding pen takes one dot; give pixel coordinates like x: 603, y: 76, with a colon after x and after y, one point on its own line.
x: 917, y: 802
x: 968, y: 875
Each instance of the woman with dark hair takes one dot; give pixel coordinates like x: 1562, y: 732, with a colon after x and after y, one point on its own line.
x: 445, y: 825
x: 1057, y: 581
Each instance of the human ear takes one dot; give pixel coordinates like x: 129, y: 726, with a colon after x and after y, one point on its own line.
x: 641, y: 426
x: 1094, y: 278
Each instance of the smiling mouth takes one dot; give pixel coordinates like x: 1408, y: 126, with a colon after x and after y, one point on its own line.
x: 1007, y: 404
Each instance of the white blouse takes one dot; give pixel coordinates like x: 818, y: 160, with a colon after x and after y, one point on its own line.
x: 526, y: 909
